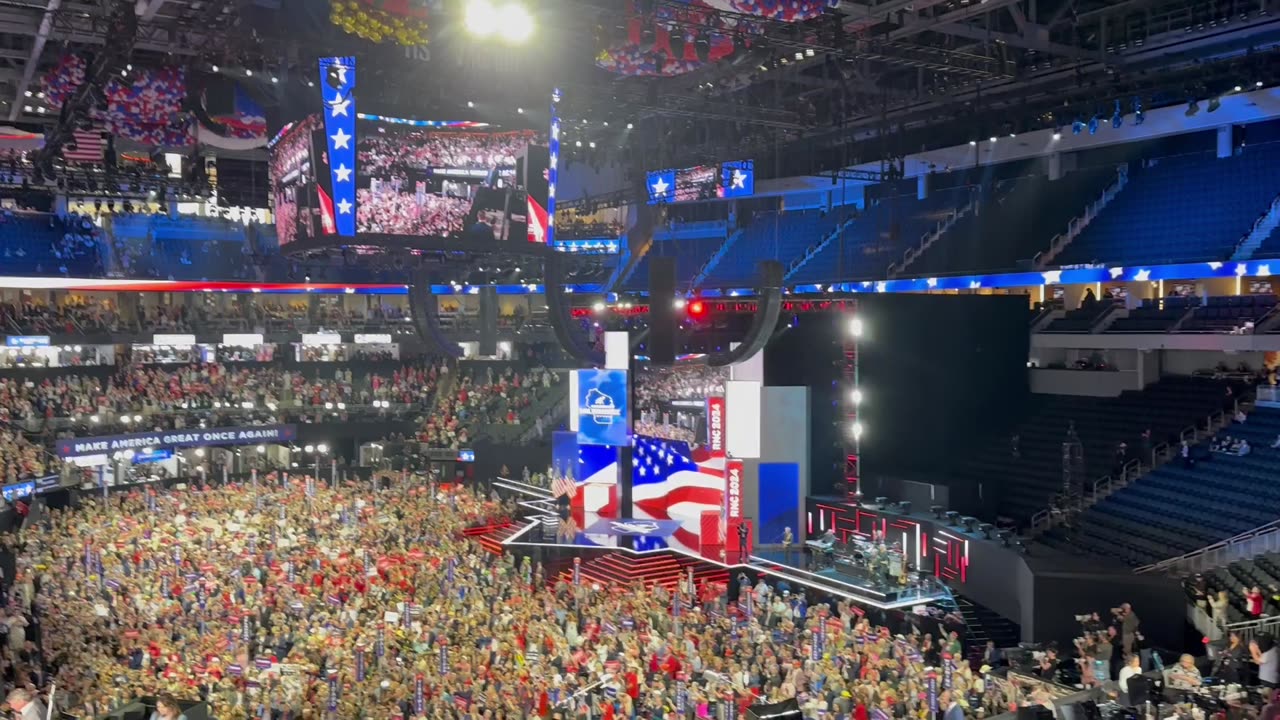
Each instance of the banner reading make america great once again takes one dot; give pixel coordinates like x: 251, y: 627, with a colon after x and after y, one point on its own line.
x: 248, y: 435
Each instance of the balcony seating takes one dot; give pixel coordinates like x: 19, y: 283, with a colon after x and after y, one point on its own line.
x: 1228, y: 314
x: 1034, y: 477
x: 880, y: 236
x: 782, y: 236
x: 1082, y: 319
x: 1038, y: 207
x: 1189, y: 208
x: 1262, y: 572
x: 690, y: 255
x: 1176, y: 509
x: 39, y: 244
x: 1154, y: 316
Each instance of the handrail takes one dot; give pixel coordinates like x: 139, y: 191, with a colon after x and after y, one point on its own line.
x: 1077, y: 224
x: 1273, y: 208
x: 1185, y: 560
x: 928, y: 238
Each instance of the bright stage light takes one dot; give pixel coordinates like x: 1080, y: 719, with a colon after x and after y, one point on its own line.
x: 855, y: 327
x: 481, y: 18
x: 517, y: 23
x: 856, y: 430
x: 856, y: 396
x: 679, y: 303
x: 598, y: 306
x: 512, y: 21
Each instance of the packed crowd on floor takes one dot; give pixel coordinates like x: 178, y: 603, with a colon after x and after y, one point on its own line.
x: 305, y: 600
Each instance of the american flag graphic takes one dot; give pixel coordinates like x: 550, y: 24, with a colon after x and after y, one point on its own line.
x: 672, y: 482
x: 563, y: 485
x: 89, y: 147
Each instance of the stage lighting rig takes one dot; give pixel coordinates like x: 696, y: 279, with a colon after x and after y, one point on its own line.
x: 510, y: 21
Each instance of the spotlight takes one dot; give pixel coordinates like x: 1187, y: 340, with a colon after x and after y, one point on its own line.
x: 248, y: 73
x: 1057, y: 136
x: 937, y: 511
x: 274, y: 79
x: 856, y: 396
x: 953, y: 517
x: 1214, y: 104
x: 973, y: 142
x: 855, y: 327
x: 1093, y: 124
x: 1193, y: 107
x: 994, y: 138
x: 517, y: 23
x: 904, y: 507
x: 697, y: 309
x: 970, y: 522
x: 470, y: 104
x: 1238, y: 88
x: 520, y: 110
x: 481, y: 18
x: 676, y: 41
x: 630, y: 126
x: 214, y: 68
x: 1258, y: 84
x: 1005, y: 536
x: 987, y: 529
x: 1117, y: 119
x: 702, y: 46
x: 856, y: 430
x: 1077, y: 126
x: 882, y: 502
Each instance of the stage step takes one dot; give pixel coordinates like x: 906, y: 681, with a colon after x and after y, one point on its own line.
x: 621, y: 570
x: 490, y: 537
x: 984, y: 624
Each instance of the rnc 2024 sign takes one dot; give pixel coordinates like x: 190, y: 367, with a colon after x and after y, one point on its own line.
x: 106, y: 444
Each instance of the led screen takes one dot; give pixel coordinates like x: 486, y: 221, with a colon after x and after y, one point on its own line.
x: 435, y: 181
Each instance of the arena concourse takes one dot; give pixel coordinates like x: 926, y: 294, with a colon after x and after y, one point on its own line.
x: 622, y: 359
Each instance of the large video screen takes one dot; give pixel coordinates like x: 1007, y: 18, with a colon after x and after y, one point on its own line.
x: 673, y: 403
x: 299, y: 182
x: 436, y: 181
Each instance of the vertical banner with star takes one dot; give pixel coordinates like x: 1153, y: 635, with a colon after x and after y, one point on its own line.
x: 553, y: 170
x: 337, y: 89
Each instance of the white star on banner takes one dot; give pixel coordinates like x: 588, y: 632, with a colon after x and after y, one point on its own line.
x: 660, y: 187
x: 342, y: 72
x: 342, y: 173
x: 739, y: 179
x: 341, y: 140
x: 344, y: 207
x: 339, y: 105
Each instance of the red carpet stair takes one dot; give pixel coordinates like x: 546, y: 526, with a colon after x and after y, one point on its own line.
x: 622, y: 570
x: 490, y: 537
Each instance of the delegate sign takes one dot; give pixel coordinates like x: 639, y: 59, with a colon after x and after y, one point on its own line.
x: 252, y: 435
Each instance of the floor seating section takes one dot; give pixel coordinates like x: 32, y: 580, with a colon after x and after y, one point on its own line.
x: 782, y: 236
x: 1035, y: 476
x: 28, y: 243
x: 1038, y: 207
x: 1176, y: 509
x: 1183, y: 209
x: 1080, y: 320
x: 1225, y: 314
x: 1154, y: 315
x: 879, y: 236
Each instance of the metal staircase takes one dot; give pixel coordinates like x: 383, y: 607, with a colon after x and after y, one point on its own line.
x: 929, y: 238
x: 1258, y: 234
x: 817, y: 249
x: 714, y: 260
x: 1077, y: 225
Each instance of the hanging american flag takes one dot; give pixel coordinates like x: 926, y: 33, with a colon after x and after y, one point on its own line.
x: 88, y: 147
x: 672, y: 482
x: 563, y: 484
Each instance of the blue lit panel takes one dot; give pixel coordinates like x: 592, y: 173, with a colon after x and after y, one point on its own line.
x: 738, y: 178
x: 337, y: 86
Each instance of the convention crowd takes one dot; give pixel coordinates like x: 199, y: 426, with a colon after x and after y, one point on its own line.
x: 300, y: 600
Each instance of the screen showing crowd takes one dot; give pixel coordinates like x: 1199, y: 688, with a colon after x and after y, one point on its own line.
x: 433, y: 181
x: 671, y: 401
x: 295, y: 193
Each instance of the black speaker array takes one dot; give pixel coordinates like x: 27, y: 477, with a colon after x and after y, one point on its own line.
x: 662, y: 314
x: 426, y: 320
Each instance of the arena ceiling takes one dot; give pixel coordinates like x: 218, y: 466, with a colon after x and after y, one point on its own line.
x: 863, y: 75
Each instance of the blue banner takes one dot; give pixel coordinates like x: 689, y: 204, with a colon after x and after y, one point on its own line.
x: 337, y: 88
x: 106, y: 444
x: 26, y: 340
x: 602, y: 407
x: 933, y: 692
x: 419, y: 694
